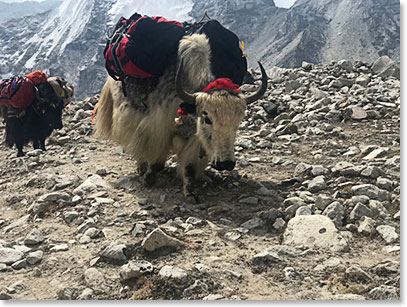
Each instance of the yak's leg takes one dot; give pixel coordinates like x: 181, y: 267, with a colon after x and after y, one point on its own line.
x: 36, y: 144
x: 191, y: 162
x: 20, y: 145
x: 42, y: 144
x: 16, y: 129
x: 150, y: 175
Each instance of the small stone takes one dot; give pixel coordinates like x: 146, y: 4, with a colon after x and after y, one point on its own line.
x: 303, y: 210
x: 34, y: 257
x: 10, y: 255
x: 135, y: 269
x: 384, y: 183
x: 91, y: 184
x: 59, y: 248
x: 93, y: 233
x: 346, y: 65
x: 336, y: 212
x: 318, y: 170
x: 388, y: 233
x: 253, y: 223
x: 86, y: 294
x: 384, y: 292
x: 317, y: 184
x: 196, y: 290
x: 323, y: 201
x: 54, y: 196
x: 70, y: 216
x: 5, y: 296
x: 249, y: 200
x: 371, y: 191
x: 356, y: 274
x: 377, y: 153
x: 169, y: 271
x: 314, y: 231
x: 67, y: 294
x: 359, y: 211
x: 114, y: 252
x: 279, y: 224
x: 372, y: 172
x: 157, y: 239
x: 367, y: 226
x: 34, y: 237
x: 93, y: 278
x: 358, y: 113
x: 19, y: 264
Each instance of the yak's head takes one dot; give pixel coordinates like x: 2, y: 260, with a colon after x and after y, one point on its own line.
x: 49, y: 105
x: 219, y: 112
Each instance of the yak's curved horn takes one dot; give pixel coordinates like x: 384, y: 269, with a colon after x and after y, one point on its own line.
x: 262, y: 89
x: 185, y: 96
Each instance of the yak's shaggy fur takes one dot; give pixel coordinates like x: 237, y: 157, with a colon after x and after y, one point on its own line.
x: 151, y: 135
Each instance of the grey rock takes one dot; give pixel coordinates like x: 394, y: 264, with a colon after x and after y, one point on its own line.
x: 314, y: 231
x: 157, y: 239
x: 279, y: 224
x: 59, y: 248
x: 385, y: 67
x: 322, y: 201
x: 5, y: 296
x: 114, y: 252
x: 388, y: 233
x: 34, y: 257
x: 54, y: 196
x: 302, y: 169
x: 196, y: 290
x: 135, y: 269
x: 336, y: 212
x: 19, y: 264
x: 377, y: 153
x: 34, y: 237
x: 318, y: 170
x: 360, y: 199
x: 20, y: 223
x: 303, y: 210
x: 378, y: 209
x: 10, y: 255
x: 359, y: 211
x: 168, y: 271
x: 249, y: 200
x: 253, y: 223
x: 384, y: 292
x: 367, y: 226
x: 371, y: 191
x: 67, y: 293
x: 356, y: 274
x: 70, y: 216
x: 384, y: 183
x: 91, y: 184
x: 93, y: 278
x: 86, y: 294
x: 317, y: 184
x: 293, y: 201
x: 93, y: 233
x: 372, y: 172
x: 346, y: 65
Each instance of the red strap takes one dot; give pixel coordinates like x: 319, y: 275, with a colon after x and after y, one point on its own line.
x: 222, y: 83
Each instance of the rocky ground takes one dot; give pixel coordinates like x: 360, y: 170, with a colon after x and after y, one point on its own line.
x: 312, y: 210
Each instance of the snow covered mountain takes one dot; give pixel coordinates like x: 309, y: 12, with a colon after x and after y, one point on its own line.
x: 68, y: 39
x: 10, y: 10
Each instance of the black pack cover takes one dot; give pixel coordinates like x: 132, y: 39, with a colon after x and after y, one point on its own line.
x: 227, y: 57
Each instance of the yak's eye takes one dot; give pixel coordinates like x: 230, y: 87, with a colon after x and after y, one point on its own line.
x: 206, y: 118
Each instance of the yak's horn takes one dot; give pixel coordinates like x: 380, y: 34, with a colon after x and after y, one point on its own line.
x: 185, y: 96
x: 262, y: 89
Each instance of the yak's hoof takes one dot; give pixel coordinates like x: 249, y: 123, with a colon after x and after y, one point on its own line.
x: 190, y: 196
x: 142, y: 168
x: 20, y: 154
x: 150, y: 178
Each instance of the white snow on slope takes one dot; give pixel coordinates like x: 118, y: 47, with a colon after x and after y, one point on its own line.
x: 61, y: 27
x: 169, y: 9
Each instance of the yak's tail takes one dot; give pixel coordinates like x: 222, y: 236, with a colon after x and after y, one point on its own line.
x: 104, y: 116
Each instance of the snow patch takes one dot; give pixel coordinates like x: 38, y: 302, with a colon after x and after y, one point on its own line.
x: 170, y: 9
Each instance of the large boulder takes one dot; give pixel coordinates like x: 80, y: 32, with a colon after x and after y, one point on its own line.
x: 314, y: 231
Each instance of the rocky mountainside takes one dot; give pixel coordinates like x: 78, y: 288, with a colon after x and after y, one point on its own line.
x: 28, y: 8
x: 69, y: 40
x: 312, y: 210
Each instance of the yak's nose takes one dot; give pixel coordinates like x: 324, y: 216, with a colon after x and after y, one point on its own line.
x: 224, y: 165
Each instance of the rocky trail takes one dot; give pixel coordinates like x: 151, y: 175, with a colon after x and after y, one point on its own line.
x: 312, y: 210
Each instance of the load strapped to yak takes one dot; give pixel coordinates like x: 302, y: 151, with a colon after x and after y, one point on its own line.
x: 141, y: 48
x: 18, y: 93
